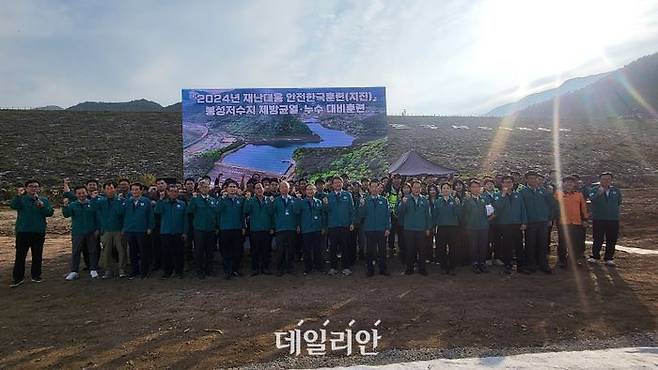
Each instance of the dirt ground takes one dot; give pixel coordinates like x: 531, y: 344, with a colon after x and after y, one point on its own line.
x: 216, y: 323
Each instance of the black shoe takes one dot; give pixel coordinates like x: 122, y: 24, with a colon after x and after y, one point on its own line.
x: 423, y: 272
x: 179, y: 276
x: 508, y: 270
x: 165, y: 276
x: 144, y: 276
x: 132, y: 276
x: 291, y: 272
x: 409, y: 272
x: 255, y: 273
x: 483, y: 269
x: 476, y: 269
x: 452, y: 272
x: 16, y: 283
x: 237, y: 274
x: 445, y: 272
x: 201, y: 275
x: 547, y: 271
x: 266, y: 272
x: 279, y: 273
x: 384, y: 272
x: 369, y: 273
x: 227, y: 276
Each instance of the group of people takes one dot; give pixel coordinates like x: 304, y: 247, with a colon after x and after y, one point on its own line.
x: 132, y: 230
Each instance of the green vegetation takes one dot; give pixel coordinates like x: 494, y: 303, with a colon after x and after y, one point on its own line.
x: 365, y: 160
x: 216, y: 154
x: 266, y: 127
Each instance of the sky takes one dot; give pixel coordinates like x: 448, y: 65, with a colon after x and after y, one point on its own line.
x: 434, y: 57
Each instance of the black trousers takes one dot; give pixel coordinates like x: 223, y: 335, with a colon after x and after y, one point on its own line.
x: 139, y: 253
x: 261, y: 249
x: 478, y: 240
x: 86, y: 254
x: 204, y: 251
x: 172, y: 253
x: 446, y: 246
x: 393, y: 233
x: 339, y: 242
x: 284, y: 254
x: 511, y: 244
x: 156, y: 247
x: 24, y: 242
x: 571, y: 242
x: 376, y: 251
x: 607, y: 230
x: 536, y: 235
x: 231, y: 248
x: 495, y: 250
x: 313, y: 257
x: 415, y: 249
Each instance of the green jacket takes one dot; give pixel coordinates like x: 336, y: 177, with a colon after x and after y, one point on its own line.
x: 173, y: 216
x: 375, y: 214
x: 320, y: 195
x: 31, y: 219
x: 539, y: 204
x: 284, y: 214
x: 84, y: 217
x: 204, y: 211
x: 416, y: 217
x: 510, y: 209
x: 605, y: 207
x: 312, y: 216
x: 260, y: 218
x: 474, y: 213
x: 340, y: 209
x: 446, y: 212
x: 109, y: 212
x: 137, y: 218
x: 231, y: 213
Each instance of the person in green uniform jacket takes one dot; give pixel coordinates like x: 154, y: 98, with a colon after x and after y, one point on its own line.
x: 340, y: 222
x: 606, y: 204
x: 540, y: 209
x: 512, y: 219
x: 32, y: 211
x: 285, y: 225
x: 476, y: 224
x: 375, y: 216
x: 261, y: 230
x: 138, y: 222
x: 415, y: 212
x: 494, y: 252
x: 445, y: 216
x: 203, y: 207
x: 92, y: 194
x: 109, y: 210
x: 232, y: 228
x: 312, y: 225
x: 173, y: 231
x: 84, y: 231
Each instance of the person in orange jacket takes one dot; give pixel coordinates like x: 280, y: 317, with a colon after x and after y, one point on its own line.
x: 572, y: 223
